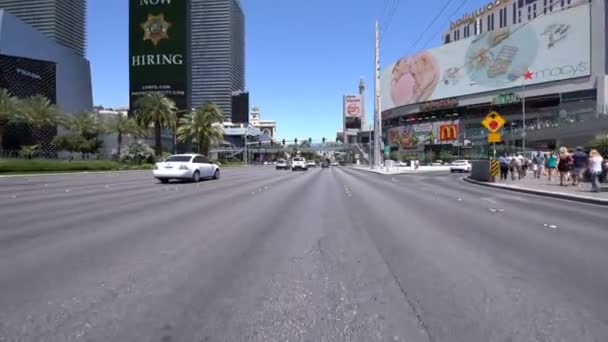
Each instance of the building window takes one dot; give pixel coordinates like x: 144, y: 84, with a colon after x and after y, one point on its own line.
x: 480, y: 25
x: 489, y: 23
x: 550, y: 5
x: 492, y: 19
x: 520, y: 3
x: 514, y: 13
x: 562, y: 4
x: 447, y: 39
x: 519, y: 16
x: 534, y: 10
x: 544, y: 6
x: 529, y: 13
x: 475, y: 28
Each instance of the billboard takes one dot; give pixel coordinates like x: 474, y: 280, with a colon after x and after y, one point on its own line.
x: 157, y: 49
x: 24, y: 77
x: 353, y: 111
x: 552, y: 47
x: 240, y: 107
x: 416, y: 136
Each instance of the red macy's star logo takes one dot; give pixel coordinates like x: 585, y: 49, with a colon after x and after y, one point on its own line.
x: 528, y: 75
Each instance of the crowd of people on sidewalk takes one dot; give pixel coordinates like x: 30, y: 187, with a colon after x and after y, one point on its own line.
x: 576, y: 166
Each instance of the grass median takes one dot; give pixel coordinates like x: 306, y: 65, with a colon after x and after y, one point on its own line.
x: 16, y: 166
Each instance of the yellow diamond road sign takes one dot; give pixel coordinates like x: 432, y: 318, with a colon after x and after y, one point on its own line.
x: 493, y: 122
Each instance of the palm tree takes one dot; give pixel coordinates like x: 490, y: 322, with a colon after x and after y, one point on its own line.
x: 123, y: 125
x: 8, y: 109
x: 38, y: 112
x: 156, y: 109
x: 203, y: 127
x: 85, y: 124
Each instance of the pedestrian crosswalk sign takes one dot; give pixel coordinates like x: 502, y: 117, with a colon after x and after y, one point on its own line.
x: 493, y: 122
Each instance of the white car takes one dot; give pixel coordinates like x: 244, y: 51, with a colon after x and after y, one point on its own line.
x: 334, y: 163
x: 299, y: 163
x: 281, y: 164
x: 192, y: 167
x: 460, y: 166
x: 311, y: 163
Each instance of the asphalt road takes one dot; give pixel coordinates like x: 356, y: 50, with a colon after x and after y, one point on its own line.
x: 325, y: 255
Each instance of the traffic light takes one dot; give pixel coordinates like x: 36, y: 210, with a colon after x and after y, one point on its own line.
x: 310, y: 140
x: 283, y: 142
x: 296, y: 141
x: 323, y: 140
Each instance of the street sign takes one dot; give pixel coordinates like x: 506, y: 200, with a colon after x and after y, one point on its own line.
x: 494, y: 137
x: 493, y: 122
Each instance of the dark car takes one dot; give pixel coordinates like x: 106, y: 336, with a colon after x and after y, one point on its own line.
x: 325, y: 163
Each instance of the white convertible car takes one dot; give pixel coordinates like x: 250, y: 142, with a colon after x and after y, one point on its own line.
x: 192, y: 167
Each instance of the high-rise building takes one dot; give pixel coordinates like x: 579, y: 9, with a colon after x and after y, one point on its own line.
x: 217, y: 52
x: 61, y: 20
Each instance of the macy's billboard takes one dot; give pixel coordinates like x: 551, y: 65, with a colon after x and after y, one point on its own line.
x: 552, y: 46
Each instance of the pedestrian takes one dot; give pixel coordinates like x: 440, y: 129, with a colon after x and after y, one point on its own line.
x: 513, y: 166
x: 538, y: 161
x: 579, y: 165
x: 595, y: 169
x: 504, y: 166
x: 551, y: 164
x: 564, y: 165
x: 520, y: 163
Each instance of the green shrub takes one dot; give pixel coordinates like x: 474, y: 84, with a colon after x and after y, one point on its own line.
x: 138, y: 153
x: 50, y: 165
x: 446, y: 156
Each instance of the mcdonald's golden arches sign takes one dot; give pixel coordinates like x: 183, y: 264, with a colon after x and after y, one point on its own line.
x: 448, y: 132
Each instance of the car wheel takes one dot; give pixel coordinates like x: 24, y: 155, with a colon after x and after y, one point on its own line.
x: 196, y: 177
x: 216, y: 174
x: 164, y: 180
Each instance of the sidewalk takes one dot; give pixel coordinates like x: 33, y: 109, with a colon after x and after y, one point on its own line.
x: 544, y: 187
x: 402, y: 170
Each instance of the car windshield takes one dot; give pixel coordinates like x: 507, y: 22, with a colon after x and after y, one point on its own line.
x: 460, y: 162
x: 178, y: 159
x: 298, y: 159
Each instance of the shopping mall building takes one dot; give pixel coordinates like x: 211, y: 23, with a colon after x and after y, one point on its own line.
x: 544, y: 60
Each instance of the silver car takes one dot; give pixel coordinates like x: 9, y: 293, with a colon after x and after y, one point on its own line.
x: 192, y: 167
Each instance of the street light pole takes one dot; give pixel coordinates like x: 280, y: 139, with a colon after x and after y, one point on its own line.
x: 523, y: 114
x: 377, y: 104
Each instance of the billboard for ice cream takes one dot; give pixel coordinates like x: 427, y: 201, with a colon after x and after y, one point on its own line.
x: 552, y: 47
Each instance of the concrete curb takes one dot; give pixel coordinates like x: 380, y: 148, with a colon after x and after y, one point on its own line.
x: 560, y: 195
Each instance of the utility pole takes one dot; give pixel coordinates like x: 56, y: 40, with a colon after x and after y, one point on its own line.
x: 523, y: 114
x: 377, y: 104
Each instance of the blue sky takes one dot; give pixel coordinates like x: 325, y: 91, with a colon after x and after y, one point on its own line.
x: 301, y: 56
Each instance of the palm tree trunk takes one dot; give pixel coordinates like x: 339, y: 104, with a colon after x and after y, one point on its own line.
x: 157, y: 133
x: 119, y: 144
x: 200, y: 146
